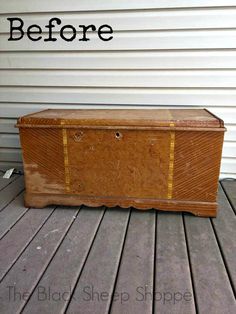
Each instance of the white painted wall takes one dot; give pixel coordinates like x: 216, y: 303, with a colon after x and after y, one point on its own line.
x: 164, y: 53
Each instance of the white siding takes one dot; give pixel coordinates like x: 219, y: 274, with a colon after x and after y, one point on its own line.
x: 178, y: 53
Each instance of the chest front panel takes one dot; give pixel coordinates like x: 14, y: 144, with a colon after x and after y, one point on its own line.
x: 131, y: 163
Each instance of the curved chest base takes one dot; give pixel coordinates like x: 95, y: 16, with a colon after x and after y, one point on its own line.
x: 203, y: 209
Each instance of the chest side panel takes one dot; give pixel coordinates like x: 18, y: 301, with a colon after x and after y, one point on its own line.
x: 197, y: 165
x: 43, y: 160
x: 128, y: 163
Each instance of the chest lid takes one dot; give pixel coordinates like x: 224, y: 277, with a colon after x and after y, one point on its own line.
x: 126, y: 118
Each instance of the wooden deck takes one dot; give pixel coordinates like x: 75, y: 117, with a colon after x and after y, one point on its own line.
x: 98, y: 260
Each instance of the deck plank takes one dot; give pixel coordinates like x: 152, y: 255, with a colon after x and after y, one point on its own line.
x: 5, y: 182
x: 18, y: 238
x: 65, y: 268
x: 173, y: 277
x: 212, y: 287
x: 11, y: 191
x: 100, y: 269
x: 225, y: 227
x: 230, y: 190
x: 113, y: 253
x: 136, y: 269
x: 11, y: 214
x: 28, y: 269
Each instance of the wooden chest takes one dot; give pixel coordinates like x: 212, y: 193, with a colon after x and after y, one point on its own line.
x: 163, y: 158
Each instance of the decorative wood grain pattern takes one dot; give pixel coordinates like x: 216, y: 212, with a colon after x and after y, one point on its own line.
x: 43, y: 160
x: 197, y: 165
x: 165, y: 159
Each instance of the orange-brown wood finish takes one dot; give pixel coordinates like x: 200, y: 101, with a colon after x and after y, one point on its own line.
x: 163, y: 158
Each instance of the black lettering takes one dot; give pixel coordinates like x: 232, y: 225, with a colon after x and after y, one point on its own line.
x: 85, y: 28
x: 50, y: 26
x: 101, y: 32
x: 30, y: 32
x: 12, y: 28
x: 73, y: 35
x: 67, y: 32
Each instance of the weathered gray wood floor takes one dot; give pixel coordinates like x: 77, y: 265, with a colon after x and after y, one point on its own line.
x: 98, y: 260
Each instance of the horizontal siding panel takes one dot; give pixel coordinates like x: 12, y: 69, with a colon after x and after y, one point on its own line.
x: 228, y: 165
x: 133, y: 20
x: 123, y: 96
x: 119, y: 60
x: 229, y: 150
x: 230, y: 135
x: 15, y: 6
x: 9, y: 141
x: 4, y: 165
x: 227, y: 175
x: 7, y: 126
x: 229, y: 114
x: 10, y: 154
x: 144, y: 40
x: 122, y: 78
